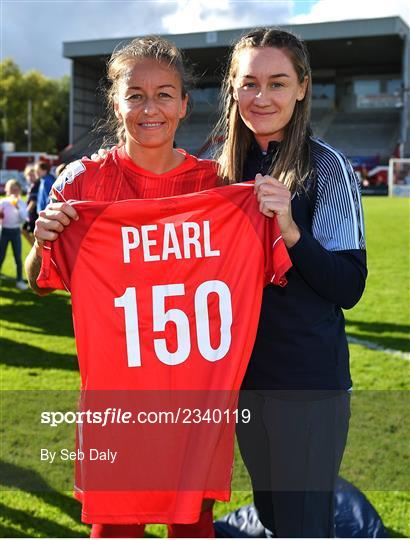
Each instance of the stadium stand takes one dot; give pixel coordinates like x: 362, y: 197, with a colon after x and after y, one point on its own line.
x: 370, y: 133
x: 321, y: 119
x: 360, y: 71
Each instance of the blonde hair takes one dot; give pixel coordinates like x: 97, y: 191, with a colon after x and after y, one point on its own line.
x: 291, y: 164
x: 11, y: 184
x: 28, y: 169
x: 149, y: 47
x: 60, y: 168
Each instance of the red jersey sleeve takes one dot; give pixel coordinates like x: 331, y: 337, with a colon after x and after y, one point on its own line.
x: 70, y: 184
x: 49, y: 277
x: 277, y: 260
x: 66, y: 187
x: 60, y: 256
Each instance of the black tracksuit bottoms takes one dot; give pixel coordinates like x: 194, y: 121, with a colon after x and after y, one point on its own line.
x: 292, y: 448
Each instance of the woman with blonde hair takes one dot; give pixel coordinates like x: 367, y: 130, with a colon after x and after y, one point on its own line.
x: 298, y: 382
x: 147, y: 99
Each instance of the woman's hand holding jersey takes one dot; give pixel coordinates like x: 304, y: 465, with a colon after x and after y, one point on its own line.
x: 275, y: 199
x: 52, y: 221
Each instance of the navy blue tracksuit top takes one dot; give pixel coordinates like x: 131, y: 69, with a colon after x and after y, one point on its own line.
x: 301, y: 341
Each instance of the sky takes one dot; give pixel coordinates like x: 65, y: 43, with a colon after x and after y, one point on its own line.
x: 33, y: 31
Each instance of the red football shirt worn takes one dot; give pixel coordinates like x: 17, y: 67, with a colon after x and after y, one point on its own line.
x: 166, y: 295
x: 118, y: 178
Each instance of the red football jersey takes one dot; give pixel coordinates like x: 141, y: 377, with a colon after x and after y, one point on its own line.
x: 166, y: 296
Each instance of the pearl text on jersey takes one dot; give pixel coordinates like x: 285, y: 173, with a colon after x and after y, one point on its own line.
x: 177, y: 240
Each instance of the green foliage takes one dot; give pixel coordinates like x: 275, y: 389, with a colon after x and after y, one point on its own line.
x: 50, y: 100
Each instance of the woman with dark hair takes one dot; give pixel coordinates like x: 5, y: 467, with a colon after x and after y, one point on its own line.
x: 298, y: 383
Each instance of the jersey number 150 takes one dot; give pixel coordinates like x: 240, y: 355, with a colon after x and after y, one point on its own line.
x: 128, y: 301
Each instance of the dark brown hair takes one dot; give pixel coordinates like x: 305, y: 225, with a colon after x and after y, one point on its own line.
x: 42, y: 165
x: 292, y: 164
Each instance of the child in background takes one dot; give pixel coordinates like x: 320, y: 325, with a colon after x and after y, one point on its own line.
x: 13, y: 212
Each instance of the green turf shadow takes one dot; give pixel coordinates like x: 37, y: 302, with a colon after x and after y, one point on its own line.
x: 384, y: 334
x: 10, y: 532
x: 50, y: 315
x: 391, y: 533
x: 42, y: 527
x: 15, y: 478
x: 24, y: 355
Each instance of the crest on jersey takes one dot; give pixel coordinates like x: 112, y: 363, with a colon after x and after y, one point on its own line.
x: 69, y: 175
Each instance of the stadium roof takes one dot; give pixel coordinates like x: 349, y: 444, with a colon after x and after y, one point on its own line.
x: 355, y: 44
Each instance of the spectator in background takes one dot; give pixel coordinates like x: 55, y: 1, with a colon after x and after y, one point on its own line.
x: 46, y: 181
x: 60, y: 168
x: 13, y: 211
x: 364, y: 177
x: 32, y: 192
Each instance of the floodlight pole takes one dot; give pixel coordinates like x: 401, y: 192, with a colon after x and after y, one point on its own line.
x: 29, y: 122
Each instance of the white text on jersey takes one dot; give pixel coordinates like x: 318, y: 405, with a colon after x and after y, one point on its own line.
x: 191, y: 235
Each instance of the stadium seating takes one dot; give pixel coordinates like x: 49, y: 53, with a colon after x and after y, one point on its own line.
x: 370, y: 133
x: 321, y: 120
x: 192, y: 134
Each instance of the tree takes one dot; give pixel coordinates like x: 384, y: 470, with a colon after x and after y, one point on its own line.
x: 50, y: 104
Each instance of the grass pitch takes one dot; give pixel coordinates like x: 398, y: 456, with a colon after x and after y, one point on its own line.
x: 38, y: 353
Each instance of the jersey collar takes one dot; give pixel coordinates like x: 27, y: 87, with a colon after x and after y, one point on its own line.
x: 189, y: 163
